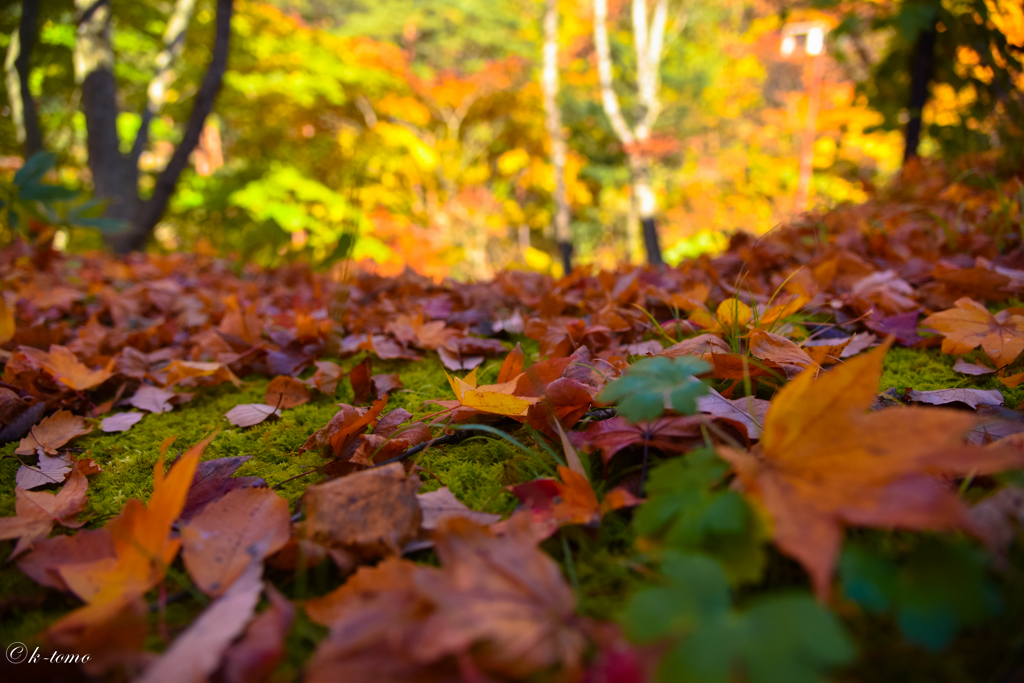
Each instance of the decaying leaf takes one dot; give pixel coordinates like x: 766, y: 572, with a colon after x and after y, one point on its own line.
x: 286, y: 392
x: 244, y: 526
x: 972, y: 397
x: 121, y: 422
x: 196, y: 653
x: 152, y: 399
x: 213, y: 480
x: 249, y: 414
x: 51, y: 469
x: 38, y: 511
x: 372, y: 513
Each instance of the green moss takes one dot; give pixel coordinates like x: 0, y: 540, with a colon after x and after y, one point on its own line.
x: 930, y: 369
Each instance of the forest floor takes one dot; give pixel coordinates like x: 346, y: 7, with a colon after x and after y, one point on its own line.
x: 570, y: 503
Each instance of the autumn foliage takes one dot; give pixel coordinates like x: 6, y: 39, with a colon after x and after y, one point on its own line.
x: 707, y: 471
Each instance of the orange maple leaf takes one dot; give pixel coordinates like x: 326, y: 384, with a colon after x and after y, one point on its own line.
x: 143, y: 548
x: 65, y: 367
x: 970, y: 325
x: 824, y: 462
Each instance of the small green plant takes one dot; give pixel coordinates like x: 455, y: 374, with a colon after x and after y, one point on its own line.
x: 653, y: 383
x: 786, y: 637
x: 27, y: 199
x: 689, y: 509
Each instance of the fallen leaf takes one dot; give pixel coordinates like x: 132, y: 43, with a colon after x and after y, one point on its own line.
x: 286, y: 392
x: 65, y: 367
x: 38, y: 511
x: 778, y: 349
x: 197, y: 652
x: 701, y: 346
x: 385, y: 384
x: 120, y: 422
x: 52, y: 433
x: 7, y: 325
x: 249, y: 414
x: 342, y: 431
x: 179, y: 371
x: 824, y: 462
x: 972, y: 397
x: 326, y: 378
x: 262, y: 647
x: 244, y: 526
x: 747, y: 412
x: 152, y: 400
x: 359, y: 377
x: 969, y: 325
x: 503, y: 597
x: 569, y: 501
x: 213, y: 480
x: 372, y: 513
x: 143, y: 549
x: 47, y: 556
x: 971, y: 368
x: 49, y: 470
x: 442, y: 503
x: 667, y: 434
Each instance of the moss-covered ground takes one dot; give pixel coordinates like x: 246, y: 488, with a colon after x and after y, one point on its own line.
x: 600, y: 563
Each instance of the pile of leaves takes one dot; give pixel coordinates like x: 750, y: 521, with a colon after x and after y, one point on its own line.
x: 707, y: 483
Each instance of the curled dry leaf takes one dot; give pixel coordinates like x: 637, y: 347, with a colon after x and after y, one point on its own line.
x: 211, y: 374
x: 244, y: 526
x: 38, y: 511
x: 778, y: 349
x: 972, y: 397
x: 152, y: 399
x: 342, y: 431
x: 52, y: 433
x: 286, y: 392
x: 121, y: 422
x: 249, y: 414
x: 371, y: 514
x: 51, y: 469
x: 569, y: 501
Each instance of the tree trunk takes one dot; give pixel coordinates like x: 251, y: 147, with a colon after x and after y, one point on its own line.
x: 553, y: 122
x: 922, y: 65
x: 113, y: 177
x: 19, y: 54
x: 646, y: 206
x: 149, y: 212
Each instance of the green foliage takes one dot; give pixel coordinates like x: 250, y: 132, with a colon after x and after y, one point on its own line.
x: 651, y: 383
x: 27, y: 198
x: 787, y: 638
x: 688, y: 510
x: 937, y: 589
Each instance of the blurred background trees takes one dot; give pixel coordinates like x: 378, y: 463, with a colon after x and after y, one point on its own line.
x: 415, y: 131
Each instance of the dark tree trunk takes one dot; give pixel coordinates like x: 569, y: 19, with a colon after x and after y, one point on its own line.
x: 27, y: 31
x: 651, y: 241
x: 148, y: 213
x: 565, y: 249
x: 922, y: 65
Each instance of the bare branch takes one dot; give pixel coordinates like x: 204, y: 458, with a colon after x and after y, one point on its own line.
x: 156, y: 93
